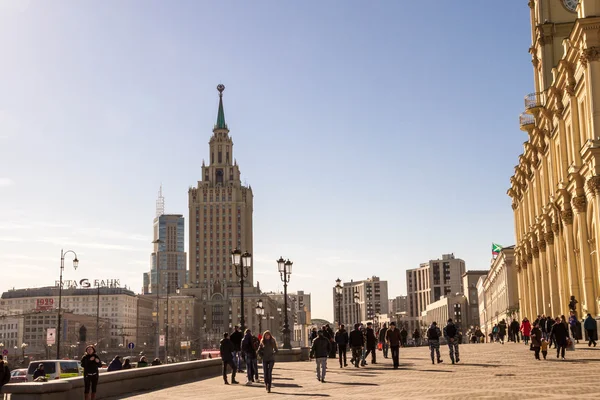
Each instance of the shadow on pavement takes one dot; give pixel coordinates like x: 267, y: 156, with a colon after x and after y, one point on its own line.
x: 354, y: 383
x: 435, y: 370
x: 303, y: 394
x: 294, y: 385
x: 481, y: 365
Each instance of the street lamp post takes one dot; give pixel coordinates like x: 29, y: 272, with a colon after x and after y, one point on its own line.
x: 242, y: 264
x: 167, y: 323
x: 62, y: 267
x: 338, y: 292
x: 260, y: 311
x: 356, y: 301
x: 285, y: 271
x: 23, y: 347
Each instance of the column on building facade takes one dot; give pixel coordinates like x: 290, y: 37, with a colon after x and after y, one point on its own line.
x: 536, y: 273
x: 561, y: 265
x: 589, y: 296
x: 572, y: 283
x: 544, y: 274
x: 594, y: 186
x: 552, y: 273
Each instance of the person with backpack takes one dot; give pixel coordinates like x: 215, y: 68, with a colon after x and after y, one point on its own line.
x: 433, y: 337
x: 226, y: 348
x: 452, y: 337
x: 4, y: 372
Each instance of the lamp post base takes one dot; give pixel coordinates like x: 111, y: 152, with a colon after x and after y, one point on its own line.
x: 286, y: 339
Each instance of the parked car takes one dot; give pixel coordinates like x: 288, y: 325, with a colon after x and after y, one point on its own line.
x: 55, y: 369
x: 18, y: 375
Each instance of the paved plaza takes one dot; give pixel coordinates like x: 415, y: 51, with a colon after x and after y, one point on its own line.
x: 486, y: 371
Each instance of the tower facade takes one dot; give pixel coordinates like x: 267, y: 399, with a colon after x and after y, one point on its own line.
x: 220, y: 221
x: 555, y: 189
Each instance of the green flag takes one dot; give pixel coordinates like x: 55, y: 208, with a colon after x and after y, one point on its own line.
x: 496, y: 248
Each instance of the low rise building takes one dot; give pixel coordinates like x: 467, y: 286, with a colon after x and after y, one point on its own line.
x: 11, y: 332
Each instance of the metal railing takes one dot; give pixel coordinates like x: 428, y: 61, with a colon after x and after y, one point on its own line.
x: 526, y: 119
x: 533, y: 100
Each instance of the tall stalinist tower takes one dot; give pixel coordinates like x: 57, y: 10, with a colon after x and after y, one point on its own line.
x: 220, y: 221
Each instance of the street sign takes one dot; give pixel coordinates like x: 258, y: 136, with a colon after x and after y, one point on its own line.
x: 131, y: 345
x: 4, y: 352
x: 193, y: 352
x: 51, y: 336
x: 161, y: 340
x: 185, y: 344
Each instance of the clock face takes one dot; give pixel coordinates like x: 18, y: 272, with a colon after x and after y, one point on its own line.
x: 571, y: 5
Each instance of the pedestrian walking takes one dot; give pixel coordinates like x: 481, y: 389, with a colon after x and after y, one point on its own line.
x: 393, y: 338
x: 250, y: 355
x: 115, y: 364
x: 417, y: 337
x: 536, y: 340
x: 526, y: 330
x: 313, y: 335
x: 4, y: 372
x: 267, y: 350
x: 382, y: 342
x: 543, y: 324
x: 371, y: 340
x: 549, y: 324
x: 357, y: 341
x: 514, y: 329
x: 403, y: 337
x: 236, y: 338
x: 433, y: 337
x: 561, y: 335
x: 502, y: 330
x: 545, y: 347
x: 341, y: 339
x: 591, y: 329
x: 330, y: 335
x: 90, y: 362
x: 495, y: 330
x: 451, y: 335
x: 227, y: 349
x: 319, y: 350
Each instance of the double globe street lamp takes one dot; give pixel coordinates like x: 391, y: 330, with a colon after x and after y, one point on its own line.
x: 242, y: 264
x: 260, y: 311
x: 338, y: 295
x: 60, y: 284
x: 285, y: 270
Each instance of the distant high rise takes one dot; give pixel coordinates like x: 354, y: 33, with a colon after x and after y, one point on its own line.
x: 168, y: 259
x: 361, y: 301
x: 431, y: 281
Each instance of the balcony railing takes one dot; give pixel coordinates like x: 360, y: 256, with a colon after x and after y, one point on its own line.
x: 526, y: 121
x: 534, y: 100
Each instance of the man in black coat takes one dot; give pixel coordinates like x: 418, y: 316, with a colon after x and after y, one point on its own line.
x: 226, y: 348
x: 515, y: 331
x: 356, y: 344
x: 384, y: 345
x: 341, y: 339
x: 320, y: 349
x: 371, y: 343
x: 236, y: 338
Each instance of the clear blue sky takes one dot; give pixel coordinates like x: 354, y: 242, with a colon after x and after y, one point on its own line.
x: 375, y: 135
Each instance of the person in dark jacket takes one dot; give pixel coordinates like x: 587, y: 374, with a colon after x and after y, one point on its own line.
x: 330, y: 335
x: 143, y: 362
x: 433, y: 337
x: 267, y: 350
x: 417, y: 337
x: 549, y: 325
x: 514, y: 330
x: 560, y: 333
x: 452, y: 337
x: 250, y: 353
x: 591, y: 329
x: 403, y: 337
x: 156, y: 362
x: 384, y: 345
x: 319, y: 350
x: 127, y: 364
x: 371, y: 343
x: 393, y: 338
x: 313, y: 335
x: 115, y: 364
x: 543, y: 324
x: 226, y: 348
x: 357, y: 342
x: 39, y: 372
x: 502, y: 331
x: 536, y: 339
x: 236, y: 339
x: 341, y: 339
x: 4, y: 372
x: 90, y: 363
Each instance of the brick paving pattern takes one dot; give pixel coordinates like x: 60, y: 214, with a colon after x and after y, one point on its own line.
x: 486, y: 371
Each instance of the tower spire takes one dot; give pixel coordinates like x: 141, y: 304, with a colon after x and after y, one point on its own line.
x: 160, y: 203
x: 221, y: 114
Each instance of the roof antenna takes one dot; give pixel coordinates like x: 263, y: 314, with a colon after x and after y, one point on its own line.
x: 160, y: 203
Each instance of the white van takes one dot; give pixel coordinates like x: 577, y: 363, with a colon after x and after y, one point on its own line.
x: 55, y: 369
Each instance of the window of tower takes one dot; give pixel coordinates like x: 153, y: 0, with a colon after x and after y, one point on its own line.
x: 212, y: 158
x: 219, y: 177
x: 227, y: 156
x: 220, y: 156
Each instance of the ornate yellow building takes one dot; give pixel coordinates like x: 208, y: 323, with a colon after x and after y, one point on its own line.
x: 555, y: 190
